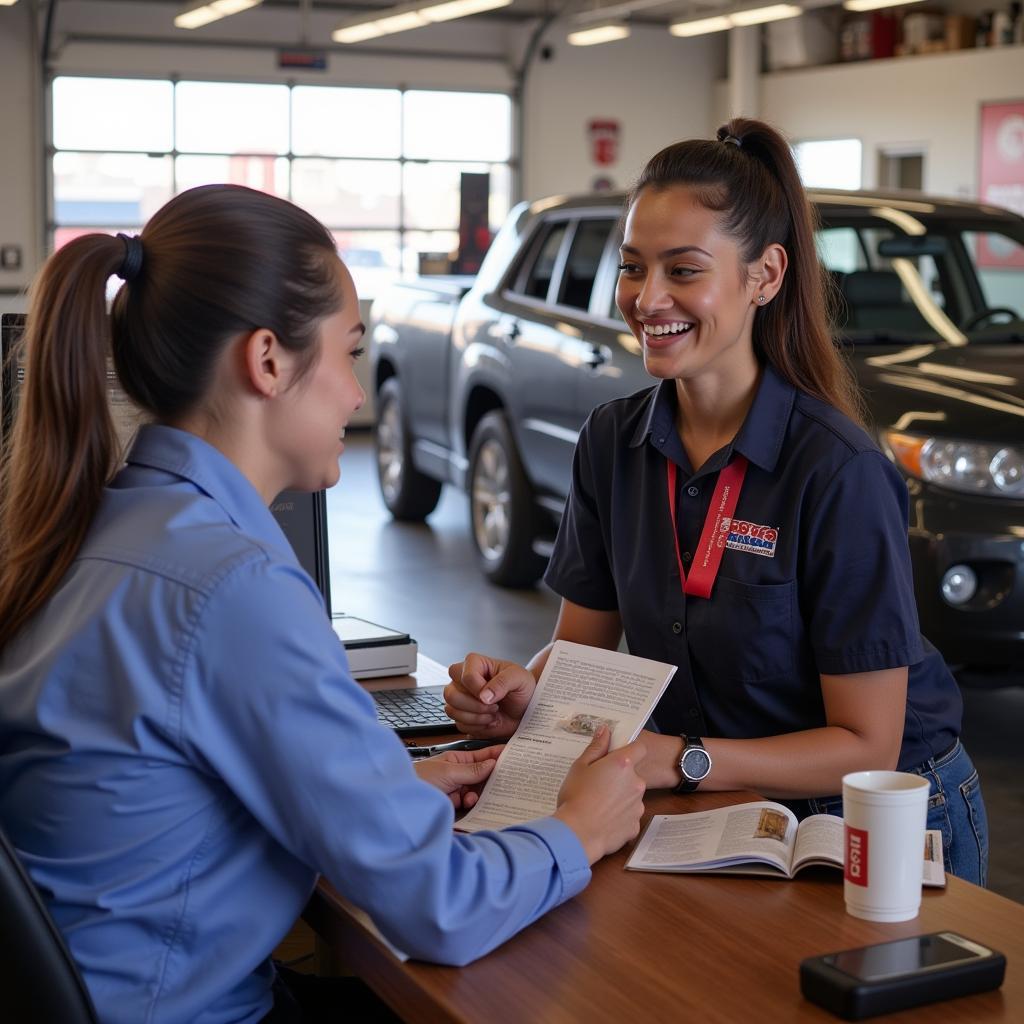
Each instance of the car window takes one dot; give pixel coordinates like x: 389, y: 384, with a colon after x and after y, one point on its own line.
x: 585, y: 253
x: 839, y: 249
x: 538, y: 276
x: 1000, y: 264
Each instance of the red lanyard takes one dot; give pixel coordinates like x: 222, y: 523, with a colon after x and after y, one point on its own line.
x: 716, y: 527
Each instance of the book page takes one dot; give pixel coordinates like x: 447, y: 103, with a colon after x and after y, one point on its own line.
x: 763, y: 832
x: 580, y: 689
x: 819, y: 840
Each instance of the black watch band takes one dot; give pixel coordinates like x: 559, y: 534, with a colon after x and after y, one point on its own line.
x: 694, y: 764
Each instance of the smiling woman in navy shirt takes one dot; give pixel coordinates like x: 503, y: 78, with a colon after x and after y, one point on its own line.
x: 736, y: 519
x: 182, y: 747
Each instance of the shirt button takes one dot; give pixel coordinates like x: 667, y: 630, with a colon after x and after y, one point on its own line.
x: 692, y: 491
x: 686, y: 557
x: 677, y: 628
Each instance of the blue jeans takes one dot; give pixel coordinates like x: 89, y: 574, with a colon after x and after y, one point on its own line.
x: 955, y: 807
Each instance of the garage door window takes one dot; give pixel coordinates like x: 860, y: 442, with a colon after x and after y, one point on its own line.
x: 380, y: 167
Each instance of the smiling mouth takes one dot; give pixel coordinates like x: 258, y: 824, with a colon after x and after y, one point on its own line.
x: 341, y: 434
x: 661, y: 330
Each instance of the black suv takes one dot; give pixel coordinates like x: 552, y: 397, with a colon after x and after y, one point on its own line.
x: 486, y: 387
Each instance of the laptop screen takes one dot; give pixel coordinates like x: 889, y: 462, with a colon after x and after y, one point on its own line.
x: 302, y: 516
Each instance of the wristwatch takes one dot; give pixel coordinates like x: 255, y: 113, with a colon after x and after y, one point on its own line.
x: 694, y: 764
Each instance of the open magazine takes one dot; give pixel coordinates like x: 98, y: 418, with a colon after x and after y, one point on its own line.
x: 580, y: 689
x: 761, y: 838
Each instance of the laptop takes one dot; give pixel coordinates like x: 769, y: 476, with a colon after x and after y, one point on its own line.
x: 374, y: 651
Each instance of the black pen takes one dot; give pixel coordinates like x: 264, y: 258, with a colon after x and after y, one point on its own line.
x: 440, y: 748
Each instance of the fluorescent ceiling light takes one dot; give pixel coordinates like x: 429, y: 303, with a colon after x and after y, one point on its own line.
x: 408, y: 16
x: 873, y: 5
x: 700, y: 26
x: 204, y: 11
x: 606, y: 33
x: 751, y: 16
x: 759, y: 15
x: 8, y: 3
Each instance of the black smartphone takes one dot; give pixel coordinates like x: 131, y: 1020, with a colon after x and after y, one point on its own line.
x: 890, y: 976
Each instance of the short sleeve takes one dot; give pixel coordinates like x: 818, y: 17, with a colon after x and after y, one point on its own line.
x: 856, y: 588
x: 579, y: 569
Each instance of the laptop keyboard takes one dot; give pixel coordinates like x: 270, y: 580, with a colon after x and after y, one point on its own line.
x: 419, y: 709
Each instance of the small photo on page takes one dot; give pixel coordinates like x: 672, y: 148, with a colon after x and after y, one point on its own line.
x: 771, y: 825
x: 582, y: 724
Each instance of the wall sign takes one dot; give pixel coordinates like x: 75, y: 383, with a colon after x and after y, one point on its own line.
x: 1001, y: 174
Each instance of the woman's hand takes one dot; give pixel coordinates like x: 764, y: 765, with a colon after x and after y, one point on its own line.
x: 459, y: 774
x: 601, y: 799
x: 486, y: 697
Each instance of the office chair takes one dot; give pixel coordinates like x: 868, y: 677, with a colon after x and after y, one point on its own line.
x: 38, y: 978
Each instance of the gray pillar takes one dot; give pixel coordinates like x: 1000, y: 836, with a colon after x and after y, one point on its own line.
x: 745, y: 71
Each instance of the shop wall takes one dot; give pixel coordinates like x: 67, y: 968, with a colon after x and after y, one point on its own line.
x: 931, y: 101
x: 656, y: 87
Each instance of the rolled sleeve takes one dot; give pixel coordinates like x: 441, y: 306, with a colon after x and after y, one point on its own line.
x: 857, y: 593
x: 275, y: 714
x: 579, y: 569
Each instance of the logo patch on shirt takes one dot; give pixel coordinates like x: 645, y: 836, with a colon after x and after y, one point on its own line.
x: 752, y: 538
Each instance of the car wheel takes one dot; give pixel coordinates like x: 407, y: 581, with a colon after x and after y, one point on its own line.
x: 503, y: 515
x: 409, y: 494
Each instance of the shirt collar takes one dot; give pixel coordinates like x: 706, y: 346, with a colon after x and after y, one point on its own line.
x: 190, y: 457
x: 759, y: 439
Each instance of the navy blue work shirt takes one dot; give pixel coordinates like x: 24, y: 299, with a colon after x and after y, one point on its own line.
x: 831, y: 593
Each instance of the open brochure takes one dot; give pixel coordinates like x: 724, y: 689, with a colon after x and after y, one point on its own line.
x: 762, y: 838
x: 580, y: 689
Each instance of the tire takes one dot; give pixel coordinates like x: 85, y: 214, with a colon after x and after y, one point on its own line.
x: 408, y: 494
x: 502, y: 515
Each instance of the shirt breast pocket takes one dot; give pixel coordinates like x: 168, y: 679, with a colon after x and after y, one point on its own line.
x: 746, y: 632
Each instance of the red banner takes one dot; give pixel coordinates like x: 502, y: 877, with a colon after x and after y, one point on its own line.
x: 1001, y: 173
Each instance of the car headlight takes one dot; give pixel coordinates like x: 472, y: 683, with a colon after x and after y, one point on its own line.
x: 986, y: 469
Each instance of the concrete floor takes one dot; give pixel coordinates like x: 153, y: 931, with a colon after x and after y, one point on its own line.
x: 423, y: 579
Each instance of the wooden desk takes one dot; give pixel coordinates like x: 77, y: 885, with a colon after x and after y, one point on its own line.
x: 682, y: 948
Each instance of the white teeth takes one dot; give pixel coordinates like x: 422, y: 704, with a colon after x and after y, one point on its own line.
x: 341, y: 436
x: 655, y: 330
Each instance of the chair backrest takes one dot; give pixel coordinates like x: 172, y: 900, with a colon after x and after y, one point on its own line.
x: 38, y: 978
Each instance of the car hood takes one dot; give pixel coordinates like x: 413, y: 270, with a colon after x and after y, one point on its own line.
x: 973, y: 392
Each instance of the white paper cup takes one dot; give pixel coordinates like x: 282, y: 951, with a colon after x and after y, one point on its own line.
x: 884, y: 815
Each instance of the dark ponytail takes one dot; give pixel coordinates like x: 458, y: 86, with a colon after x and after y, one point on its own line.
x: 750, y: 177
x: 213, y: 263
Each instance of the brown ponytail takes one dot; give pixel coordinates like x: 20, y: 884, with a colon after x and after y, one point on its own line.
x: 62, y: 449
x: 212, y: 263
x: 749, y: 176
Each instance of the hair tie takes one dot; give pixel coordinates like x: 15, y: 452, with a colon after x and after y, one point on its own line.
x: 131, y: 265
x: 732, y: 141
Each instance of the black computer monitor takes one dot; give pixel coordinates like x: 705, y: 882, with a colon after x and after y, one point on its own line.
x: 302, y: 516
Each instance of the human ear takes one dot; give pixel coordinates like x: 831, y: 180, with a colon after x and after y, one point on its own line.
x: 265, y: 363
x: 769, y: 271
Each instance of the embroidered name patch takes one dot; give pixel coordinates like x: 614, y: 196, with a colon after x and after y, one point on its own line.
x: 757, y: 540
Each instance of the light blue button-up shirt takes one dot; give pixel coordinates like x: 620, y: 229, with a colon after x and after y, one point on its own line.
x: 183, y: 749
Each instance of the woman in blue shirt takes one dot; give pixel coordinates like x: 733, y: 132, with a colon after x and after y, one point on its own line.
x: 182, y: 747
x: 736, y: 519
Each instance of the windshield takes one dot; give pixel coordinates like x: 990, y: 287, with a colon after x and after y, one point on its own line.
x: 907, y: 277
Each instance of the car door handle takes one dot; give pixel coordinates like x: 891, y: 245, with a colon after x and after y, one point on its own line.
x: 503, y: 330
x: 598, y: 356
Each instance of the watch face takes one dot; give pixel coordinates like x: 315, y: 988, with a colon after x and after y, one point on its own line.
x: 696, y: 763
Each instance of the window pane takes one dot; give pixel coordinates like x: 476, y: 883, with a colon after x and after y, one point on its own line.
x: 260, y: 172
x: 581, y: 266
x: 109, y: 188
x: 457, y: 126
x: 349, y: 193
x: 1000, y: 263
x: 839, y: 250
x: 539, y: 278
x: 346, y: 122
x: 432, y: 193
x: 220, y: 117
x: 425, y: 246
x: 373, y: 259
x: 829, y: 163
x: 112, y: 113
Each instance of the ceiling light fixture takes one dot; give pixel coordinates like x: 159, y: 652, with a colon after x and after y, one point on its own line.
x: 202, y: 12
x: 735, y: 19
x: 874, y: 5
x: 409, y: 16
x: 607, y: 32
x: 700, y: 26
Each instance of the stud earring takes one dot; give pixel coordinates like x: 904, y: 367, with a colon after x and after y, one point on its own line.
x: 762, y: 299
